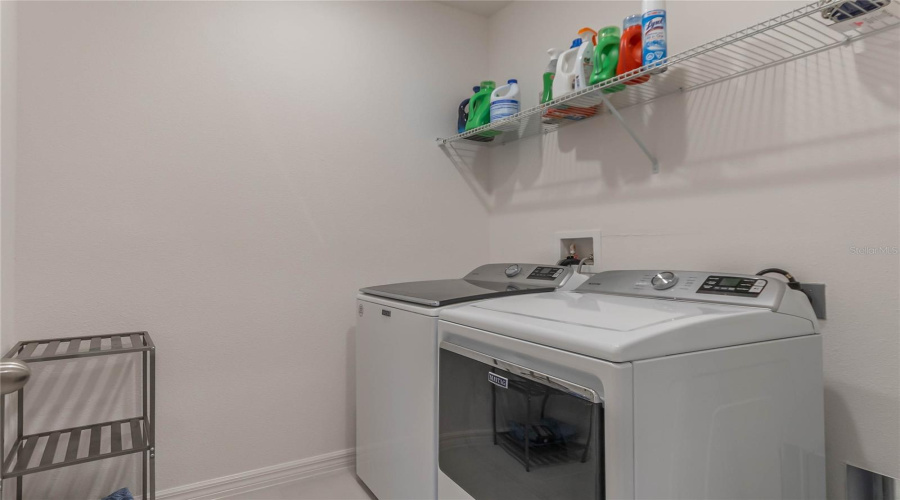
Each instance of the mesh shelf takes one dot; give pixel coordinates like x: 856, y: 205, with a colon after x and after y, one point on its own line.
x: 808, y: 30
x: 50, y: 450
x: 34, y: 351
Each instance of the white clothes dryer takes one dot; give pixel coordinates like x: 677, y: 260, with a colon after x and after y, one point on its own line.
x: 674, y: 385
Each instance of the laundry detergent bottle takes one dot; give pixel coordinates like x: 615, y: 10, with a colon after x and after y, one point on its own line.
x: 631, y: 49
x: 480, y: 106
x: 463, y: 116
x: 505, y: 100
x: 585, y: 57
x: 570, y: 69
x: 549, y: 73
x: 606, y: 57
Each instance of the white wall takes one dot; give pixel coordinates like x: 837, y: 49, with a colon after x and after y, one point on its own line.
x: 789, y: 167
x: 226, y: 175
x: 7, y: 170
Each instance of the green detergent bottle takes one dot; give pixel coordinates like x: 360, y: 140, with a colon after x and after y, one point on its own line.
x: 606, y: 57
x: 480, y: 106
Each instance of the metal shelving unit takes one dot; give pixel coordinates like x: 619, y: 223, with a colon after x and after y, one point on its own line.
x: 800, y: 33
x: 31, y: 453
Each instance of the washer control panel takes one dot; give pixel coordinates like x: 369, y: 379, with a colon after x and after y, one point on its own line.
x: 733, y: 285
x: 548, y: 273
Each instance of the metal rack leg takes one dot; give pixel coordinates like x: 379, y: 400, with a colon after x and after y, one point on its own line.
x: 153, y: 423
x: 145, y: 454
x: 20, y: 431
x: 2, y: 439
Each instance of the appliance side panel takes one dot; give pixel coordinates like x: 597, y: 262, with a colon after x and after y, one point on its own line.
x: 396, y: 356
x: 743, y: 422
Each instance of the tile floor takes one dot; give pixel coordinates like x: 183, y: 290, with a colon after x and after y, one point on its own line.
x: 338, y: 485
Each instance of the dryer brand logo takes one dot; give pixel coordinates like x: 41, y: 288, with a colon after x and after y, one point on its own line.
x: 498, y: 380
x: 360, y: 310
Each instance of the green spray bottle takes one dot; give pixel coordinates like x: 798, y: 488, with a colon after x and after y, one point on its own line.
x: 480, y: 106
x: 549, y: 73
x: 606, y: 57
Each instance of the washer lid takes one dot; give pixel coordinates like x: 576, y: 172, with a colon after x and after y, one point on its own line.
x: 483, y: 282
x: 444, y: 292
x: 618, y: 328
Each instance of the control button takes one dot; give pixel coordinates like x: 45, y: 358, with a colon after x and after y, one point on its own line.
x: 557, y: 273
x: 707, y: 287
x: 513, y: 270
x: 664, y: 280
x: 756, y: 289
x: 731, y: 289
x: 760, y: 282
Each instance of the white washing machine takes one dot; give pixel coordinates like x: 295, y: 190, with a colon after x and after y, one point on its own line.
x: 672, y: 385
x: 396, y: 369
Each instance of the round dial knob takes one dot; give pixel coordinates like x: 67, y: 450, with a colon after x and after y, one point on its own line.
x: 513, y: 270
x: 664, y: 280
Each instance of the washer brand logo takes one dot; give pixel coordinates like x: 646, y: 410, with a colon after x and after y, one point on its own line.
x: 385, y: 312
x: 360, y: 310
x: 498, y: 380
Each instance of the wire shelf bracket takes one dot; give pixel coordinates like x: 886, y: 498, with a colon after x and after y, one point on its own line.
x: 654, y: 163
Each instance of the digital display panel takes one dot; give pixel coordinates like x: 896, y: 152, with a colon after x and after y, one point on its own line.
x: 729, y: 281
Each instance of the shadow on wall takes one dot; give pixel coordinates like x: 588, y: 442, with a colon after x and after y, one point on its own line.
x: 63, y: 394
x: 789, y: 124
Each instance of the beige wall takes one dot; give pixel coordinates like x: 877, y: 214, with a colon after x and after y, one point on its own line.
x: 790, y: 167
x: 226, y: 175
x: 8, y: 105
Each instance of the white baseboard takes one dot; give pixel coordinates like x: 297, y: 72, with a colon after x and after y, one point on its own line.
x: 260, y: 478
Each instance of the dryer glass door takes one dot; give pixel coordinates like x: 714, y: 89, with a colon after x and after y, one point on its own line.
x: 508, y: 432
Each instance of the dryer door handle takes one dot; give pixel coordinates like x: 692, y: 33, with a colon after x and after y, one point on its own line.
x: 559, y: 384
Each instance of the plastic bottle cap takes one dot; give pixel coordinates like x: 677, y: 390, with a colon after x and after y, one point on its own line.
x: 512, y: 81
x: 576, y: 43
x: 632, y: 20
x: 476, y: 88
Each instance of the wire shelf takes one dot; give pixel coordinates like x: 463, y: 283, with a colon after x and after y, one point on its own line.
x: 809, y: 30
x: 34, y: 351
x: 54, y: 449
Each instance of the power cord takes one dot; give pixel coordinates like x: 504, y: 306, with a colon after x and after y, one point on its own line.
x: 792, y: 282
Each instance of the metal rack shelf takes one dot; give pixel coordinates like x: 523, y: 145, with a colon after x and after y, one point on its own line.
x: 33, y: 351
x: 800, y: 33
x: 31, y: 453
x: 22, y: 459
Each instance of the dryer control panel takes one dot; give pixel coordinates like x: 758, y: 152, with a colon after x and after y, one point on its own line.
x: 733, y: 285
x: 696, y: 286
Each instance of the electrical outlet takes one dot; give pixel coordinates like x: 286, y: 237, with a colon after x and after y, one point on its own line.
x: 816, y: 294
x: 867, y: 485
